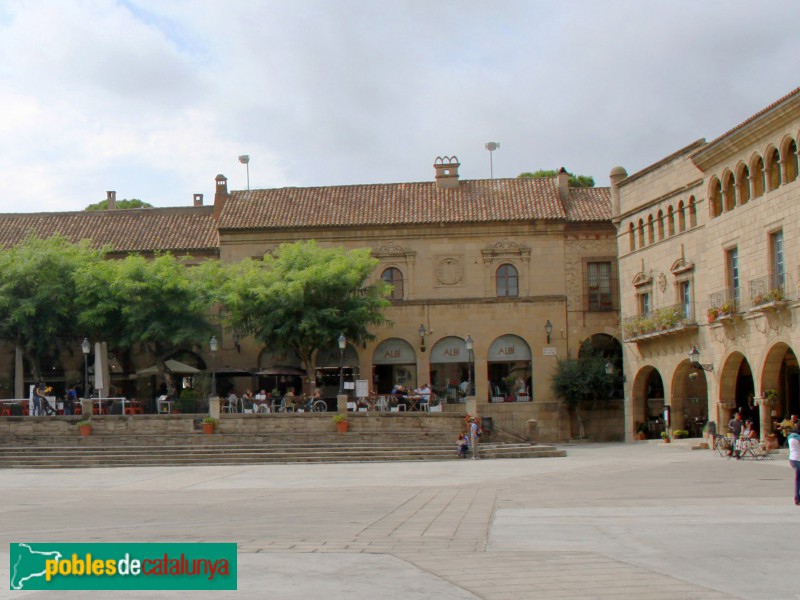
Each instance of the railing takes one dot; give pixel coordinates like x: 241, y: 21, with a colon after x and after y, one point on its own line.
x: 768, y: 289
x: 662, y: 320
x: 723, y: 303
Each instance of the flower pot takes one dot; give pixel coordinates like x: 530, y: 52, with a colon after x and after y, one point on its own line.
x: 342, y: 427
x: 208, y: 428
x: 86, y: 430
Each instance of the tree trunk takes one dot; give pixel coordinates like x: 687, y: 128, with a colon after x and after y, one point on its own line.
x: 581, y: 431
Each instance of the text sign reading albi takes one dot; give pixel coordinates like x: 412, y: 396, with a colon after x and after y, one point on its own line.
x: 58, y: 566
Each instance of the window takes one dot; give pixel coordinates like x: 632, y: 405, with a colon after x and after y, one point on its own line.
x: 600, y: 285
x: 632, y: 237
x: 681, y: 217
x: 729, y: 192
x: 759, y: 178
x: 507, y: 281
x: 670, y: 222
x: 778, y: 270
x: 660, y: 221
x: 715, y: 197
x: 773, y: 170
x: 644, y: 303
x: 692, y: 213
x: 650, y: 230
x: 744, y: 185
x: 790, y: 162
x: 394, y: 277
x: 732, y: 265
x: 685, y: 295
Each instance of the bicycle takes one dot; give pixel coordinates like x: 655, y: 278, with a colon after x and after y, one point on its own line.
x: 314, y: 405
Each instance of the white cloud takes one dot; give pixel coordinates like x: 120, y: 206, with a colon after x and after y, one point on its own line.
x: 153, y: 99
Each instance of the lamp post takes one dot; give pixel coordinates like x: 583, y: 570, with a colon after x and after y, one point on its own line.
x: 548, y: 329
x: 342, y: 344
x: 694, y: 360
x: 422, y: 334
x: 85, y: 347
x: 468, y: 343
x: 214, y: 346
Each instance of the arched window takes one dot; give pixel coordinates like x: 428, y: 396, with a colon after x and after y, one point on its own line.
x: 660, y: 225
x: 681, y: 217
x: 632, y: 236
x: 507, y: 281
x: 394, y: 277
x: 650, y: 231
x: 641, y: 233
x: 773, y: 170
x: 759, y: 178
x: 790, y: 162
x: 729, y: 191
x: 670, y: 222
x: 692, y: 213
x: 715, y: 198
x: 744, y: 184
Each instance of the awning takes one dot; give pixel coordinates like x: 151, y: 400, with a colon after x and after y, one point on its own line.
x: 278, y: 370
x: 173, y: 366
x: 233, y: 372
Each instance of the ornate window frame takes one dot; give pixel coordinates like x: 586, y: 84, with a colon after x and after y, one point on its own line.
x: 399, y: 257
x: 501, y: 252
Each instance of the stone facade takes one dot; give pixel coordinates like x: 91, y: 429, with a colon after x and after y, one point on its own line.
x: 708, y: 260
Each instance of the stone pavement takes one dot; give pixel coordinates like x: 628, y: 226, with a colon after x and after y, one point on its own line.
x: 641, y: 521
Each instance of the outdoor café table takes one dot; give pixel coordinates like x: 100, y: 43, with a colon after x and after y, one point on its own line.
x: 413, y: 401
x: 371, y: 401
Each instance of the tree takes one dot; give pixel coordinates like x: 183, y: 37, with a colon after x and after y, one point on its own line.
x: 37, y: 294
x: 121, y: 204
x: 580, y: 380
x: 303, y: 297
x: 580, y: 181
x: 149, y: 304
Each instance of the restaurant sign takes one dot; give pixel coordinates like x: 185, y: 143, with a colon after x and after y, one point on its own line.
x: 450, y: 350
x: 509, y: 348
x: 394, y: 351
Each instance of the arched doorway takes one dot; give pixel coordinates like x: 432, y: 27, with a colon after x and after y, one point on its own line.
x: 648, y: 402
x: 782, y: 374
x: 328, y: 368
x: 736, y: 390
x: 394, y: 363
x: 451, y: 364
x: 689, y: 402
x: 510, y: 369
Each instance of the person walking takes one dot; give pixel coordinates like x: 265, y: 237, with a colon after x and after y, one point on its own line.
x: 793, y: 442
x: 735, y: 427
x: 474, y: 435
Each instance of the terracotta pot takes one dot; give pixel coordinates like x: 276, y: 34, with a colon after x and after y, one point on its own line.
x: 342, y: 427
x: 208, y: 428
x: 86, y: 430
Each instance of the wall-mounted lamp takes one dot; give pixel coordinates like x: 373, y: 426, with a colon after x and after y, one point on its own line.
x: 694, y: 360
x: 469, y: 343
x: 422, y: 334
x: 548, y: 328
x: 609, y: 368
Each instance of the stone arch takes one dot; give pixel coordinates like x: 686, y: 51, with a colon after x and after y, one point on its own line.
x: 790, y: 164
x: 781, y: 373
x: 681, y: 217
x: 670, y: 222
x: 743, y: 177
x: 689, y: 401
x: 632, y: 236
x: 660, y: 224
x: 647, y: 396
x: 758, y: 176
x: 735, y: 384
x: 714, y: 198
x: 729, y: 190
x: 650, y: 230
x: 772, y: 168
x: 692, y: 212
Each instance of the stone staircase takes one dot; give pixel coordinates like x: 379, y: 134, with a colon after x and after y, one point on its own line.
x: 174, y: 440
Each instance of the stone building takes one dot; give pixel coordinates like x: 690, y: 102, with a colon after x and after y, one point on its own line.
x: 708, y: 278
x: 524, y: 268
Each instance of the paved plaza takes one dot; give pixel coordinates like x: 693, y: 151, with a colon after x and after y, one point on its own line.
x: 641, y: 521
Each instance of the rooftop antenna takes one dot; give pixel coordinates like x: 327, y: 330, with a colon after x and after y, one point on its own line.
x: 491, y: 147
x: 245, y: 160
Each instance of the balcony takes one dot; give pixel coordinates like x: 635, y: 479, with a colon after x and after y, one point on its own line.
x: 723, y: 305
x: 661, y: 322
x: 768, y: 292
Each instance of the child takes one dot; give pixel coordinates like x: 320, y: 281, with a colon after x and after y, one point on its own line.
x: 463, y: 445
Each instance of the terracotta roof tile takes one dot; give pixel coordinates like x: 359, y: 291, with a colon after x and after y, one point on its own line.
x: 474, y: 201
x: 182, y: 229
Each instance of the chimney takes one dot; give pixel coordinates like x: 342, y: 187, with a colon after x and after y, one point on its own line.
x: 446, y: 172
x: 562, y: 179
x: 111, y: 200
x: 198, y: 199
x: 220, y: 195
x: 616, y: 176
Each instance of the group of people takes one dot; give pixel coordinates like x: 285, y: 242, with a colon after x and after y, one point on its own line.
x: 401, y: 394
x: 41, y: 401
x: 469, y: 439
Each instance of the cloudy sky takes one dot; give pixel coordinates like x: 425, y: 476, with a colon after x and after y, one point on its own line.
x: 152, y: 99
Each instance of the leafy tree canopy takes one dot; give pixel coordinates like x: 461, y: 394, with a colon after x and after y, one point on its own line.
x: 303, y: 296
x: 581, y: 181
x: 121, y: 204
x: 580, y: 380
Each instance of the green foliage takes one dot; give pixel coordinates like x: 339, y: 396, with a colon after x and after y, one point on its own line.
x: 211, y: 421
x: 339, y: 418
x: 578, y: 181
x: 37, y: 294
x: 187, y: 401
x: 302, y: 297
x: 581, y: 379
x: 121, y: 204
x: 680, y: 434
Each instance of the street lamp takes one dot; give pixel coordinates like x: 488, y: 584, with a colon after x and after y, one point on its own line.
x: 548, y: 329
x: 214, y: 346
x: 422, y: 334
x: 694, y: 360
x: 85, y: 347
x: 468, y: 343
x: 342, y: 344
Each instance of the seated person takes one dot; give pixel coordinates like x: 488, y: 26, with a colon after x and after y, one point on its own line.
x: 424, y: 394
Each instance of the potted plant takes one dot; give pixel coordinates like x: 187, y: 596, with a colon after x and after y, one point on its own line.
x: 210, y: 425
x: 665, y: 437
x: 680, y: 434
x: 342, y: 424
x: 713, y: 313
x: 85, y: 427
x: 641, y: 431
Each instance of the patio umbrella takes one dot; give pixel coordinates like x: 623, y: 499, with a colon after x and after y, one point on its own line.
x: 171, y: 365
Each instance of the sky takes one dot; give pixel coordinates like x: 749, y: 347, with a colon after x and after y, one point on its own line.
x: 153, y: 99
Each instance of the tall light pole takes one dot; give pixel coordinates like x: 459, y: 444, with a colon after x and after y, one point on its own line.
x: 491, y: 147
x: 342, y: 344
x: 245, y: 160
x: 85, y: 348
x: 468, y: 343
x: 214, y: 346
